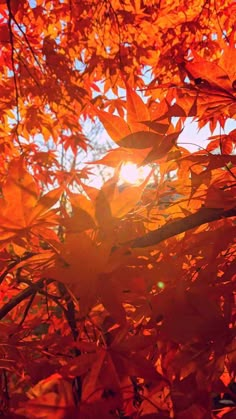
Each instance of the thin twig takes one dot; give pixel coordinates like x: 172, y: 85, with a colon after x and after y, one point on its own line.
x: 25, y: 38
x: 70, y: 317
x: 17, y: 96
x: 13, y: 264
x: 6, y: 387
x: 27, y: 308
x: 34, y: 287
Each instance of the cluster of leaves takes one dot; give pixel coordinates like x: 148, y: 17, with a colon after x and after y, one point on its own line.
x: 117, y: 302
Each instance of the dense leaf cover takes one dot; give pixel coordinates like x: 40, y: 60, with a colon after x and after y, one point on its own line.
x: 118, y: 302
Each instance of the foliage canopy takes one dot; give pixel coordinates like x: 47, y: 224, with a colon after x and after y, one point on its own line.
x: 116, y: 302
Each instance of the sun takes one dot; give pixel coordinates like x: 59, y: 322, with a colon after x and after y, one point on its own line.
x: 133, y: 174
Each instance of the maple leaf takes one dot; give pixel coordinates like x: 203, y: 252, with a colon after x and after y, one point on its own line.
x: 118, y: 301
x: 137, y: 111
x: 214, y: 84
x: 115, y: 126
x: 73, y: 267
x: 51, y: 396
x: 116, y: 359
x: 23, y: 211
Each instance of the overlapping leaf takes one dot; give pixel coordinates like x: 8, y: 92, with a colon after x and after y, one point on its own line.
x: 23, y: 211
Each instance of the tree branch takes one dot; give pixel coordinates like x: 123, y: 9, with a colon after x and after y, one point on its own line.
x: 29, y: 304
x: 71, y: 319
x: 13, y: 264
x: 204, y: 215
x: 11, y: 36
x: 13, y: 50
x: 32, y: 289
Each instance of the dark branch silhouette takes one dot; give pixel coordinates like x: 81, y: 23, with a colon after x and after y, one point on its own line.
x: 203, y: 216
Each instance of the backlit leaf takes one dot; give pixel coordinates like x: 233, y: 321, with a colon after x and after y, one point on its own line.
x: 141, y: 140
x: 115, y: 126
x: 137, y: 111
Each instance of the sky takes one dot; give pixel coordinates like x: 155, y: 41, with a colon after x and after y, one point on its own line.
x: 191, y: 138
